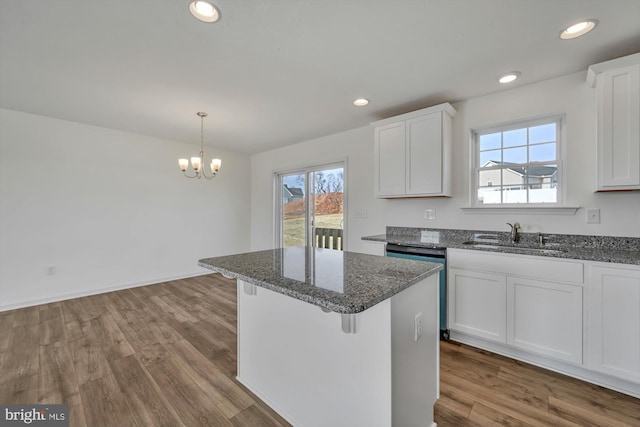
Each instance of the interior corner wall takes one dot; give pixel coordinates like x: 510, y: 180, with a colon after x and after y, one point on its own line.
x: 107, y: 209
x: 568, y: 95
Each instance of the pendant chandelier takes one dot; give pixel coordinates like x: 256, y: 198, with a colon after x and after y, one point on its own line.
x: 198, y: 162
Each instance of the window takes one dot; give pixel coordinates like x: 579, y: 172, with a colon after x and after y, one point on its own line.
x: 518, y: 163
x: 310, y: 207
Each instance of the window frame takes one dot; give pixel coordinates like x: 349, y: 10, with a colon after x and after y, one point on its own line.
x: 475, y: 167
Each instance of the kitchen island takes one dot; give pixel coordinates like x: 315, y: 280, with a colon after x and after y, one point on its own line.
x: 337, y: 338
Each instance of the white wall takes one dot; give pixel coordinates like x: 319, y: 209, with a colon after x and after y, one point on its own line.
x: 569, y: 95
x: 109, y: 209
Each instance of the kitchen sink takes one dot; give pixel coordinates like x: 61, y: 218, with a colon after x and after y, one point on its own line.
x: 498, y: 245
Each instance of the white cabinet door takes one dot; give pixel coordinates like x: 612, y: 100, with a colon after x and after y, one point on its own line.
x: 545, y: 318
x: 618, y: 123
x: 424, y: 155
x: 615, y: 321
x: 477, y: 303
x: 413, y: 153
x: 374, y: 248
x: 390, y: 159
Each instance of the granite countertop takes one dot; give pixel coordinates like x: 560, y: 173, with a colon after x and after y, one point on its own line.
x: 623, y: 250
x: 343, y: 282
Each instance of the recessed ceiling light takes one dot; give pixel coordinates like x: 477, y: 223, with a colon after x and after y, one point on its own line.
x: 360, y: 102
x: 579, y: 29
x: 204, y: 10
x: 509, y: 77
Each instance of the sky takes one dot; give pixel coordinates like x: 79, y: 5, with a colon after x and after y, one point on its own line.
x: 512, y: 145
x: 297, y: 180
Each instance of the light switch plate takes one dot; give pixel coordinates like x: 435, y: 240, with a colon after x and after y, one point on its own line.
x: 593, y: 216
x: 361, y: 214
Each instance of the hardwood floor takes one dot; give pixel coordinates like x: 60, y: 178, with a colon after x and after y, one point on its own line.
x: 165, y: 354
x: 479, y: 388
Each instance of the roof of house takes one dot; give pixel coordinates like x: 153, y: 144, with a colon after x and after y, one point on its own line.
x: 534, y: 170
x: 294, y: 191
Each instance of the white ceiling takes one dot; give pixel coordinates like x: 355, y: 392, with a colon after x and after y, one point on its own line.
x: 277, y: 72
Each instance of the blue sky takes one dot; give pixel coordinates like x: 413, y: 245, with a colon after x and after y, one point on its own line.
x: 293, y: 181
x: 513, y: 144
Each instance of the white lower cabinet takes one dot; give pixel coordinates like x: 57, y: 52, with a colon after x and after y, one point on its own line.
x: 580, y: 318
x: 511, y: 299
x: 614, y: 344
x: 545, y: 318
x: 477, y: 303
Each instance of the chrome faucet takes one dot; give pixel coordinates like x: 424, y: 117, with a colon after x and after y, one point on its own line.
x: 541, y: 239
x: 514, y: 231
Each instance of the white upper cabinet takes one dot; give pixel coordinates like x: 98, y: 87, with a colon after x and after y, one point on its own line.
x: 390, y: 159
x: 413, y: 153
x: 617, y: 84
x: 424, y: 155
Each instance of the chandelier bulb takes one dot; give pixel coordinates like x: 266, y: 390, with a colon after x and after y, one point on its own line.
x: 196, y: 163
x: 215, y: 165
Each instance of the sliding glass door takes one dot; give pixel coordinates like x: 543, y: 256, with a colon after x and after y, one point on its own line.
x: 293, y: 209
x: 311, y: 207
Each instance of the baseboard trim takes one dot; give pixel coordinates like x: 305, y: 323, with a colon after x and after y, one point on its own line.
x: 72, y: 295
x: 268, y: 402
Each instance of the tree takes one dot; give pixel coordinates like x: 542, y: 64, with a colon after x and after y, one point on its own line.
x: 334, y: 182
x: 321, y: 184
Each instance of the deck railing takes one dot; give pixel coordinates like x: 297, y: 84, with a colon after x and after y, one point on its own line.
x: 328, y: 238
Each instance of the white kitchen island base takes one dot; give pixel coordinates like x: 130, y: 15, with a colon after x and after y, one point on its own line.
x: 296, y: 358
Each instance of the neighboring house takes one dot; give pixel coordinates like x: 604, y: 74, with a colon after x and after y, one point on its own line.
x: 515, y: 176
x: 289, y: 194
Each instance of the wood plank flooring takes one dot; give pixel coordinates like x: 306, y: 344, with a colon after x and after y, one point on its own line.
x: 165, y: 355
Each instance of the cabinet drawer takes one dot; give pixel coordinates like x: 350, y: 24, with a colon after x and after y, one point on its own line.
x: 534, y: 267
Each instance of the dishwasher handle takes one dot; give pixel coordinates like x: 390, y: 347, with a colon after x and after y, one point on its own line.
x: 417, y: 250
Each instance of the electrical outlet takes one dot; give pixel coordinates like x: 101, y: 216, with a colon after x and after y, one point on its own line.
x: 593, y: 216
x: 430, y: 214
x: 417, y: 327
